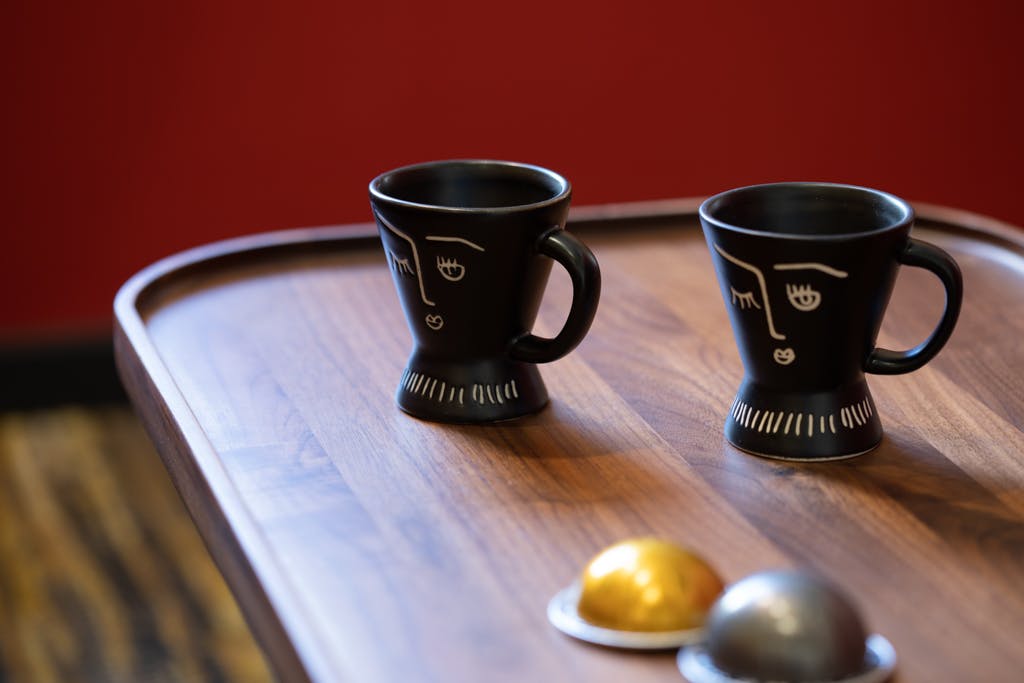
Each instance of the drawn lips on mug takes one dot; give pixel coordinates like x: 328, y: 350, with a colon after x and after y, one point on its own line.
x: 784, y: 356
x: 434, y: 322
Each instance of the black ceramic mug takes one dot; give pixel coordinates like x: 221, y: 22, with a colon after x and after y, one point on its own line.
x: 470, y: 245
x: 806, y: 271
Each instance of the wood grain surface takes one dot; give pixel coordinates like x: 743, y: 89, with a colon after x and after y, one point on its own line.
x: 366, y: 545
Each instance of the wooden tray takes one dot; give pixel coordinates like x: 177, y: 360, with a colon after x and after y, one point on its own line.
x: 366, y: 545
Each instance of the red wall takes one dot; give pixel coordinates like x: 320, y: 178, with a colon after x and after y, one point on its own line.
x: 132, y: 130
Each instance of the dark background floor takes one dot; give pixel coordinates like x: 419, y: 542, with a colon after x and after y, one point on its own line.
x: 103, y: 576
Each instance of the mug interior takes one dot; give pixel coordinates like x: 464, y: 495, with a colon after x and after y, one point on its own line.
x: 471, y: 185
x: 807, y: 209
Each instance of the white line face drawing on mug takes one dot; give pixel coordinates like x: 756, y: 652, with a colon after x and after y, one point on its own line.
x: 415, y: 256
x: 764, y: 289
x: 449, y: 267
x: 803, y: 297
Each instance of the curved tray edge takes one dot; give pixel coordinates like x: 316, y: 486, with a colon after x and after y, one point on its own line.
x: 585, y: 218
x: 266, y: 595
x: 190, y: 461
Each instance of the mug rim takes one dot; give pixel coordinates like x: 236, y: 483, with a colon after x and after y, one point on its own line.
x: 563, y: 185
x: 880, y: 196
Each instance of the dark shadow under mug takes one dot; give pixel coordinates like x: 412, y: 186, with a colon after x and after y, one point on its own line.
x: 470, y: 245
x: 806, y: 271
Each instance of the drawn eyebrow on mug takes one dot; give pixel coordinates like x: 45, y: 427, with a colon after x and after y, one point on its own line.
x: 415, y: 257
x: 441, y: 238
x: 764, y: 289
x: 812, y: 266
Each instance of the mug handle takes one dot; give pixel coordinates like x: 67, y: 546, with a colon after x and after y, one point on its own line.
x: 576, y: 258
x: 928, y: 256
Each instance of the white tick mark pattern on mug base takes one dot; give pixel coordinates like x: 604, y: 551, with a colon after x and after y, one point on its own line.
x: 797, y: 423
x: 436, y: 389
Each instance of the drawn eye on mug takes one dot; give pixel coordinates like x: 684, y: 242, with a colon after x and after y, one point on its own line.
x: 743, y: 299
x: 450, y: 269
x: 401, y: 265
x: 803, y: 297
x: 746, y: 299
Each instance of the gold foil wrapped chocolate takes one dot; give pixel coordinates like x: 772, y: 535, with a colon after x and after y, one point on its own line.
x: 647, y: 584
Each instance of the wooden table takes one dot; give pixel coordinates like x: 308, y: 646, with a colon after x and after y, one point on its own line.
x: 366, y: 545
